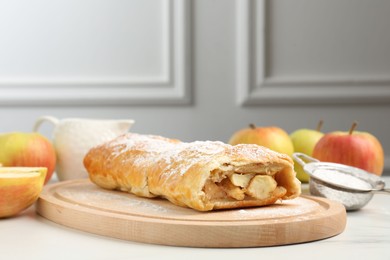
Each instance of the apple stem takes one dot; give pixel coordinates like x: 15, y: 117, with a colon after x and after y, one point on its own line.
x: 354, y: 125
x: 253, y: 126
x: 319, y: 126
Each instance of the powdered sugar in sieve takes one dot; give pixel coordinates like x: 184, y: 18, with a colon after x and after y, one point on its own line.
x: 341, y: 179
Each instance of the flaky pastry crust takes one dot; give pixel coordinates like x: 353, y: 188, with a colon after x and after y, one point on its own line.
x: 201, y: 175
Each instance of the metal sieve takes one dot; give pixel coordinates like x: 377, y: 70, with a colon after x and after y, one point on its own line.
x: 351, y: 186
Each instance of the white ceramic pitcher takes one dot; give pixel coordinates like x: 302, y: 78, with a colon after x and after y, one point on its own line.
x: 73, y: 137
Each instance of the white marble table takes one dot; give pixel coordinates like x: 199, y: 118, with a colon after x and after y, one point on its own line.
x: 29, y: 236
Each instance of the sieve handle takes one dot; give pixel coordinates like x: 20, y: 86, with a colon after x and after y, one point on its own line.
x: 383, y: 191
x: 302, y: 158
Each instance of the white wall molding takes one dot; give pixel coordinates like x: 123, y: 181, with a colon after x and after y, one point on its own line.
x: 255, y: 87
x: 171, y: 86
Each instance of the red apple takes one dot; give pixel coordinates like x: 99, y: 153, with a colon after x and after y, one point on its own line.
x: 358, y: 149
x: 271, y: 137
x: 27, y: 150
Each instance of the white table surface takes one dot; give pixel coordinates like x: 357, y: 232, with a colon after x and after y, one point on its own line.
x: 29, y: 236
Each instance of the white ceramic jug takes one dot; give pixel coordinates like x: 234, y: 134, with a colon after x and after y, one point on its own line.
x: 73, y: 137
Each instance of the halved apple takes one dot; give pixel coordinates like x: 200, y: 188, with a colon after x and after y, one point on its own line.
x: 19, y: 188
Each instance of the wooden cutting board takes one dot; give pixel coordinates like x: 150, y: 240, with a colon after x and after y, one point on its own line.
x: 82, y: 205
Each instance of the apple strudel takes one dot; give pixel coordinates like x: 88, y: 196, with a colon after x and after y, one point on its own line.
x: 203, y: 175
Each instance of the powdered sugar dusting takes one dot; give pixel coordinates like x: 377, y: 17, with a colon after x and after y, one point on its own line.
x: 166, y: 151
x: 85, y: 194
x: 298, y: 207
x: 342, y: 179
x: 95, y: 197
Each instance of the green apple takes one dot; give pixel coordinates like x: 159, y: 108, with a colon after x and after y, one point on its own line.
x: 27, y: 150
x: 272, y: 137
x: 304, y: 141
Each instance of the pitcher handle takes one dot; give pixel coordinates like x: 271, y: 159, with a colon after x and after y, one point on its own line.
x: 42, y: 119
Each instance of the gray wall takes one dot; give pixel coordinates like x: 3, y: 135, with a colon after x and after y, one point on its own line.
x: 198, y: 70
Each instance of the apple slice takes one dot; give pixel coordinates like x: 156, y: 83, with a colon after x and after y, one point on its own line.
x: 241, y: 180
x: 19, y: 188
x: 261, y: 186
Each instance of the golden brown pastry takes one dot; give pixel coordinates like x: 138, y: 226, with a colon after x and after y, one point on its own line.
x: 200, y: 175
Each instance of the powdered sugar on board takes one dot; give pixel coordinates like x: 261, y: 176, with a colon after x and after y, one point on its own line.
x: 85, y: 194
x: 82, y: 205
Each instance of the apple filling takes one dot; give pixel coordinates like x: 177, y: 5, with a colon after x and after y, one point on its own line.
x: 240, y: 184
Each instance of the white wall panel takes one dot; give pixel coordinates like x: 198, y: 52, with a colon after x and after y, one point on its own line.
x: 136, y: 59
x: 94, y: 52
x: 312, y: 52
